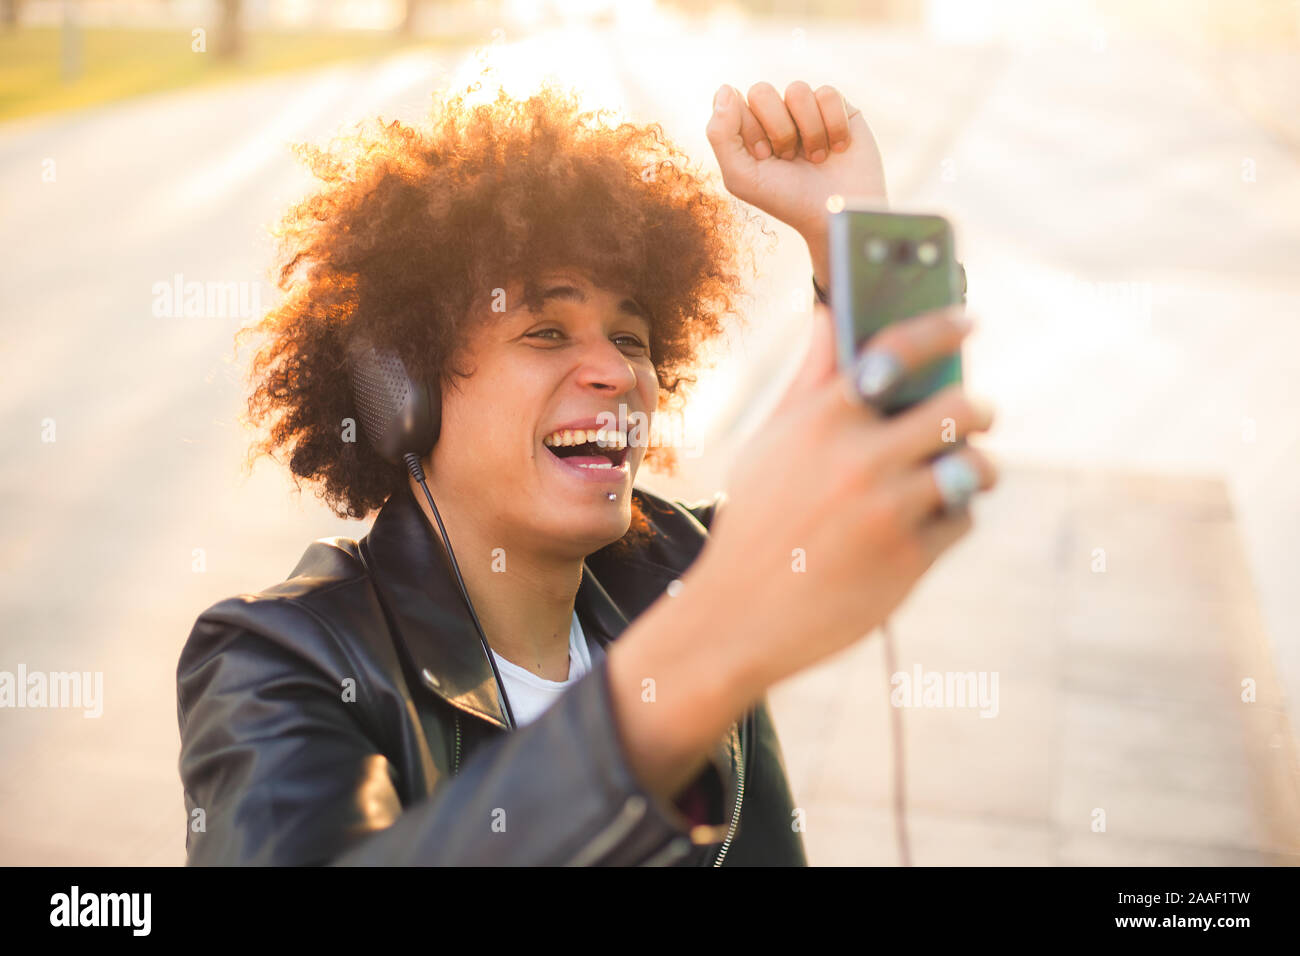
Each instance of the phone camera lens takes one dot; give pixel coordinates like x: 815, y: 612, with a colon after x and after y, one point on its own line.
x: 927, y: 253
x: 904, y: 252
x: 877, y: 249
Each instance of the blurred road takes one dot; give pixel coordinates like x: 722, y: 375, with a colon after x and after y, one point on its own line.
x: 1130, y: 240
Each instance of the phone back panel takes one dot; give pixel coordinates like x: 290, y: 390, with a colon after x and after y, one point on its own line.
x: 887, y: 266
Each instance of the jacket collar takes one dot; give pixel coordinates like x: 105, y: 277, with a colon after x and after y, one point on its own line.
x: 427, y: 613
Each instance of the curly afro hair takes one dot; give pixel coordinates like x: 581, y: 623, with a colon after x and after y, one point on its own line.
x: 411, y: 226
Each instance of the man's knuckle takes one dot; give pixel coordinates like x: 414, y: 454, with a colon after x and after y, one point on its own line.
x: 951, y: 402
x: 869, y: 465
x: 874, y: 525
x: 893, y: 339
x: 965, y: 411
x: 994, y: 473
x: 784, y: 141
x: 988, y: 472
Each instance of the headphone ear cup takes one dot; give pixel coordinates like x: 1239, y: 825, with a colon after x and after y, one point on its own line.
x: 398, y: 415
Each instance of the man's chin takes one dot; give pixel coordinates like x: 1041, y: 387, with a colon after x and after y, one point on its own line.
x: 580, y: 512
x: 581, y: 531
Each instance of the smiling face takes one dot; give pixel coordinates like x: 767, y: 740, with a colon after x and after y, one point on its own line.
x: 522, y: 435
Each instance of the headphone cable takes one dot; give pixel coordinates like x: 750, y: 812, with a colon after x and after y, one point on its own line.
x: 417, y: 472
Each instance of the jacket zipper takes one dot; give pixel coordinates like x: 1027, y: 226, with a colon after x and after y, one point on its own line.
x: 735, y: 816
x: 455, y: 761
x: 618, y: 828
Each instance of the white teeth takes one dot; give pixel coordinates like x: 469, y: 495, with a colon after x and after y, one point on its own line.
x: 568, y: 436
x: 608, y: 464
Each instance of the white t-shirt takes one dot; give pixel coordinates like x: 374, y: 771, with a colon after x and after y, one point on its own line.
x: 529, y: 694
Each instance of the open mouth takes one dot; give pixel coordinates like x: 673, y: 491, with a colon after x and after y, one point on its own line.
x: 588, y: 448
x: 591, y: 449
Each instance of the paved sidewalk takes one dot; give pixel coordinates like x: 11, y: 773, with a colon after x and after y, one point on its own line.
x: 1118, y: 691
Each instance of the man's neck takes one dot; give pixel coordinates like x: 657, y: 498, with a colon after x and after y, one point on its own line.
x: 523, y: 600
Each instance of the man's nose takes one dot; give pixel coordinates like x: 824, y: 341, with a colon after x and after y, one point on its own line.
x: 604, y: 366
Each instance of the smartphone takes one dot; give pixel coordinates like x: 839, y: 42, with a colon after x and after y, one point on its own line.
x: 886, y: 266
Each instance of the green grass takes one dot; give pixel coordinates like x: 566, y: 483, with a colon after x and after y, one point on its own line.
x: 117, y: 64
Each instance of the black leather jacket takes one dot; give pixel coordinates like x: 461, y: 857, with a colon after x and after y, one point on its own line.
x: 349, y: 715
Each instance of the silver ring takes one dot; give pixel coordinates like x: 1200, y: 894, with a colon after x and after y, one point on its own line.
x: 876, y: 374
x: 957, y: 480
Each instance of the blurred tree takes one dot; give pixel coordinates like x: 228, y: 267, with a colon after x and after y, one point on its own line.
x: 230, y: 34
x: 70, y: 43
x: 410, y: 15
x: 9, y: 10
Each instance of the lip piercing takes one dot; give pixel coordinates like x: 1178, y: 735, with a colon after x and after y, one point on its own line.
x: 612, y: 496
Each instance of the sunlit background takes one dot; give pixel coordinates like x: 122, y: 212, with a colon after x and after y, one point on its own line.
x: 1124, y: 179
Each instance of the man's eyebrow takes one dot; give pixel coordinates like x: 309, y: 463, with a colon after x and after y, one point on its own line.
x: 574, y: 294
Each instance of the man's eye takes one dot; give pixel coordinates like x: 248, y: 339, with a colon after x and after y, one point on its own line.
x: 625, y: 340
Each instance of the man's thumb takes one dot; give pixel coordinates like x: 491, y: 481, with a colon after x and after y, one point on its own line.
x: 724, y: 130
